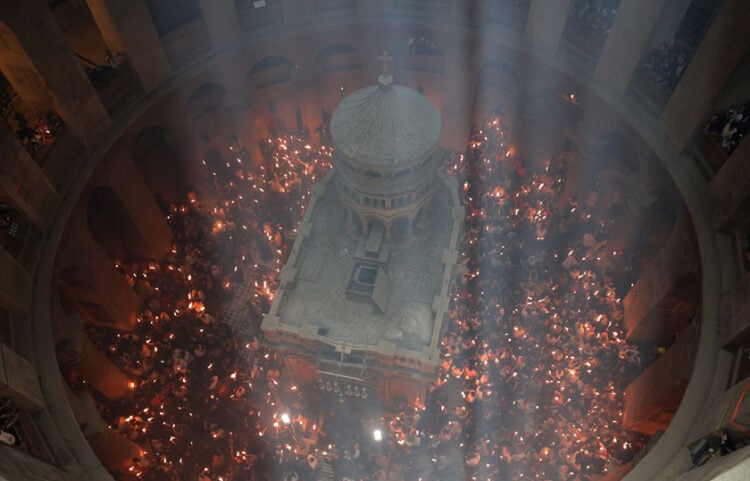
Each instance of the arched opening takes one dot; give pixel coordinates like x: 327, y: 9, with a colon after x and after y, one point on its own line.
x: 159, y: 165
x: 112, y: 227
x: 375, y: 225
x: 270, y: 70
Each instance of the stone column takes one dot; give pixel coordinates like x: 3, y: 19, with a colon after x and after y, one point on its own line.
x: 20, y: 381
x: 141, y: 204
x: 24, y: 182
x: 26, y: 81
x: 114, y: 450
x: 221, y: 21
x: 725, y: 43
x: 76, y: 352
x: 545, y: 24
x: 735, y: 313
x: 15, y: 284
x: 626, y: 42
x: 653, y: 397
x: 666, y: 295
x: 90, y: 283
x: 126, y: 27
x: 46, y: 48
x: 729, y: 191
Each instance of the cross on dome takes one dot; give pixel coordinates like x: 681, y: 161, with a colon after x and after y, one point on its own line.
x: 385, y: 78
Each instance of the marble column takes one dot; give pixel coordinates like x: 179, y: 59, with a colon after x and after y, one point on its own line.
x: 76, y: 352
x: 653, y: 397
x: 723, y: 46
x: 126, y: 26
x: 729, y: 191
x: 15, y: 285
x: 626, y: 42
x: 42, y: 45
x: 666, y: 295
x: 545, y: 24
x: 89, y: 282
x: 24, y: 182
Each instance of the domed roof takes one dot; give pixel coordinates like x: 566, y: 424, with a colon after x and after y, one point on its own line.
x: 385, y: 125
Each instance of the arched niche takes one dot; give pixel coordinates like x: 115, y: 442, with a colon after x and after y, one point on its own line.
x: 338, y: 56
x: 112, y: 227
x: 159, y: 164
x: 270, y: 70
x: 206, y: 98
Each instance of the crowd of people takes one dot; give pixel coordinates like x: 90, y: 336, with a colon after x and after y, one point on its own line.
x: 533, y: 362
x: 668, y: 62
x: 206, y: 404
x: 729, y: 127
